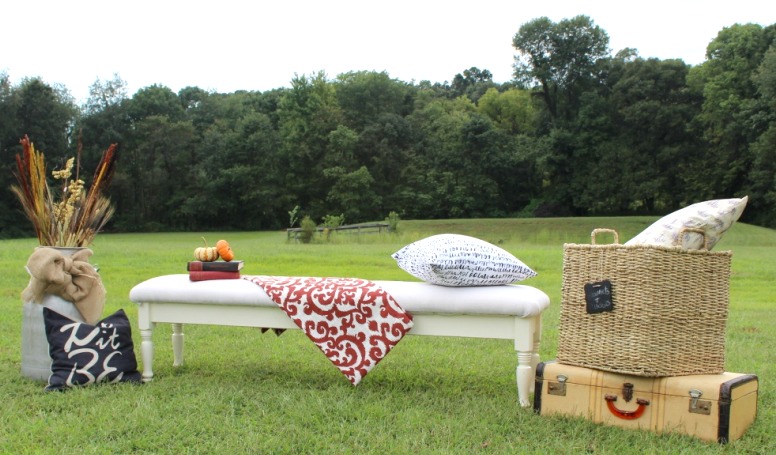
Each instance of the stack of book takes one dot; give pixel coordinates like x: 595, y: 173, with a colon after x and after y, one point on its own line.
x: 216, y: 270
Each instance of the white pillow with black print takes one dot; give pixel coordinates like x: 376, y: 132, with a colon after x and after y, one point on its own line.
x: 460, y: 260
x: 712, y: 217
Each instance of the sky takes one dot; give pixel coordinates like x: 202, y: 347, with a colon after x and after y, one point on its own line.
x: 229, y: 45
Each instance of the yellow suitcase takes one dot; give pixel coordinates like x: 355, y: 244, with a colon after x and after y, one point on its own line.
x: 713, y: 407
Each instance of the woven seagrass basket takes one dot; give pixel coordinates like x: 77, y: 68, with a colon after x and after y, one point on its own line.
x: 662, y: 313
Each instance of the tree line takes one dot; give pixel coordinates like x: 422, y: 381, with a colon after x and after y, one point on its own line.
x: 577, y: 132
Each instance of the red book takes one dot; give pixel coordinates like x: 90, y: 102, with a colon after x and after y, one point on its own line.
x: 213, y: 275
x: 222, y: 266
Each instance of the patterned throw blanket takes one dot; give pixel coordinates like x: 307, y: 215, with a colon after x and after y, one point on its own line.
x: 354, y: 322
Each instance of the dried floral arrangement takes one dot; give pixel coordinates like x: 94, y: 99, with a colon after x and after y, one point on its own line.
x: 72, y: 216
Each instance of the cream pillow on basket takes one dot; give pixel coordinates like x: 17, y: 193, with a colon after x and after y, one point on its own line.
x: 713, y: 217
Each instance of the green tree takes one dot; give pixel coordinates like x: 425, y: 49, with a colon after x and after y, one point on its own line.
x: 762, y: 176
x: 653, y: 109
x: 497, y: 177
x: 561, y: 58
x: 429, y: 189
x: 384, y: 148
x: 243, y: 177
x: 731, y: 102
x: 342, y: 150
x: 353, y: 195
x: 472, y: 83
x: 104, y: 119
x: 307, y: 114
x: 561, y: 62
x: 155, y: 100
x: 201, y: 107
x: 10, y: 131
x: 46, y: 115
x: 155, y: 176
x: 462, y: 165
x: 12, y: 221
x: 105, y: 95
x: 512, y: 110
x: 363, y: 96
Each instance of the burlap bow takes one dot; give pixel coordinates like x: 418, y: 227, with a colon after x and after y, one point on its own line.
x: 72, y: 278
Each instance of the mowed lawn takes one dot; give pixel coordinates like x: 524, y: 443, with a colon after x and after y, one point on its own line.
x: 242, y: 391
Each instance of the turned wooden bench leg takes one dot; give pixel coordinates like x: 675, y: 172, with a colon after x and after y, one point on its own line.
x: 525, y: 376
x: 146, y: 342
x: 527, y: 333
x: 177, y: 345
x: 147, y: 354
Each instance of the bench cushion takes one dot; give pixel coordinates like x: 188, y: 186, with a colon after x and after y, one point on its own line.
x: 415, y: 297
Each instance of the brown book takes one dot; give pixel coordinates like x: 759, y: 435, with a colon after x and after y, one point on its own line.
x: 221, y: 266
x: 213, y: 275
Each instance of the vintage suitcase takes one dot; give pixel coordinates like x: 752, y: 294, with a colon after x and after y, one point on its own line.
x: 716, y: 407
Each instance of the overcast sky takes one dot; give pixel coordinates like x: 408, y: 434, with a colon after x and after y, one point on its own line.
x: 229, y: 45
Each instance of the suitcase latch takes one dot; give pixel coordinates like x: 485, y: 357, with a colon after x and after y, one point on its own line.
x: 698, y: 406
x: 627, y: 392
x: 558, y: 388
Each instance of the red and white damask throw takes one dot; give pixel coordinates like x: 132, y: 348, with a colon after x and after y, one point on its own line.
x: 354, y: 322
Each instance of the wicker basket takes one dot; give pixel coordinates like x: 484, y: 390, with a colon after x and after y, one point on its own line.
x: 668, y: 315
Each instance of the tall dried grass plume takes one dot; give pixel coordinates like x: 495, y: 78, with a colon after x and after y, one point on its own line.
x: 73, y: 215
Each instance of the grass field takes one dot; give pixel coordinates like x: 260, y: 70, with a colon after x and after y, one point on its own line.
x: 242, y: 391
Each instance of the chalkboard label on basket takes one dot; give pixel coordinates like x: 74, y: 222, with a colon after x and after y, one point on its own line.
x: 598, y: 297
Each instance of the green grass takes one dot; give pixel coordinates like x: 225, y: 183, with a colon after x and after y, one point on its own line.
x: 242, y: 391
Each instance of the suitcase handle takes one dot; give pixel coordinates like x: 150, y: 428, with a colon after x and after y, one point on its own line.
x: 626, y: 415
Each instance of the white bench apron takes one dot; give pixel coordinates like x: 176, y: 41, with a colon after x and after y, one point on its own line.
x: 499, y: 312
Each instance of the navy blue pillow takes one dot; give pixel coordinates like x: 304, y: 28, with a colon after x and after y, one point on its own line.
x: 82, y: 353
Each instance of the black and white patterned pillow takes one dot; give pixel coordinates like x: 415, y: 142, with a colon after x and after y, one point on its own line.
x: 83, y: 353
x: 460, y: 260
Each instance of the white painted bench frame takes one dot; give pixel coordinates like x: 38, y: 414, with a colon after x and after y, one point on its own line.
x: 495, y: 312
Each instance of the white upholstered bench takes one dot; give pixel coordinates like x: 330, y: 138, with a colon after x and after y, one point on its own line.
x: 501, y: 312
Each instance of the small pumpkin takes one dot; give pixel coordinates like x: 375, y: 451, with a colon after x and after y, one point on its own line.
x: 206, y: 253
x: 224, y: 250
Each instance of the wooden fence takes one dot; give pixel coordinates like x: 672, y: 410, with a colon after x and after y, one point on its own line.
x: 366, y: 228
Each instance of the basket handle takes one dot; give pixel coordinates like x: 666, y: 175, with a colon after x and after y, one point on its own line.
x: 604, y: 230
x: 686, y: 230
